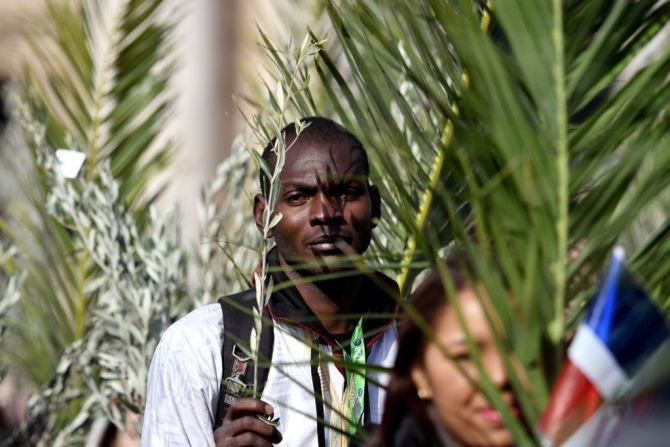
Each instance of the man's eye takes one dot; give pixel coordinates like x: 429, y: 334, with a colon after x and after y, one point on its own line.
x: 349, y: 193
x: 296, y: 198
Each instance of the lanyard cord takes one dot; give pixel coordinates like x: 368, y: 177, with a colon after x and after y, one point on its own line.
x: 318, y: 397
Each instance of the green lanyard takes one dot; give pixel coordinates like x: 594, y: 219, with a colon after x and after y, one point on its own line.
x: 356, y: 377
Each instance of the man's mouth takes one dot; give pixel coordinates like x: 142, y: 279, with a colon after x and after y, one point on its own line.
x: 330, y: 243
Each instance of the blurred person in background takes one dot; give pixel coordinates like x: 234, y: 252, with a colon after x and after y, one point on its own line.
x: 434, y: 400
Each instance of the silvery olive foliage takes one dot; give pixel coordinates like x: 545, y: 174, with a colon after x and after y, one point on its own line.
x: 137, y: 287
x: 96, y: 79
x: 9, y: 294
x: 95, y: 274
x: 228, y: 249
x: 126, y: 276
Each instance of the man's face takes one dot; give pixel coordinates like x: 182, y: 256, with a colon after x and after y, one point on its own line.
x: 326, y: 203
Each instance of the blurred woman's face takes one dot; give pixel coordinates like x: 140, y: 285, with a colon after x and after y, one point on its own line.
x: 465, y: 412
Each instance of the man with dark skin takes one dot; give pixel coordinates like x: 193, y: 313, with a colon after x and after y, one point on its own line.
x: 328, y: 210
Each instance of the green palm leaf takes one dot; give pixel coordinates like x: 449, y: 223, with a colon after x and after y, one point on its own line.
x: 101, y: 76
x: 557, y: 150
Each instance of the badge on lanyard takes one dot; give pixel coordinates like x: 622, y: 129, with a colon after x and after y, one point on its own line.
x: 355, y: 377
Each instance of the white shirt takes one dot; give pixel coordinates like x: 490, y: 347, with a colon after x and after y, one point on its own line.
x: 186, y: 370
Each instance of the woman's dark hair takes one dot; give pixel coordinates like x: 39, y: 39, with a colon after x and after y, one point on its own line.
x: 401, y: 398
x: 319, y: 129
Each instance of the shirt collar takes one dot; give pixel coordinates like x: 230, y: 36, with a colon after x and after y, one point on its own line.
x: 287, y: 305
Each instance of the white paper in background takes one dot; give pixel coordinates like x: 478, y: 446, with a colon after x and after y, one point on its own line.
x: 69, y: 162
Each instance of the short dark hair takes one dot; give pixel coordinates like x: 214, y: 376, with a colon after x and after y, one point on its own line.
x: 318, y: 129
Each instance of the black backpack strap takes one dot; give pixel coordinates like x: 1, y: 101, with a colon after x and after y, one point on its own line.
x: 238, y: 370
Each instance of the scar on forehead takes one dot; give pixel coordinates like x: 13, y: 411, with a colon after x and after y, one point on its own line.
x: 356, y: 157
x: 335, y: 177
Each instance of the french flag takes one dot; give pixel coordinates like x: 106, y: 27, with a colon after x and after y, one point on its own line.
x: 614, y: 387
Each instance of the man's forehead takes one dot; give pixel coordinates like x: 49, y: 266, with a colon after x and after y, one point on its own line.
x: 338, y: 159
x: 312, y: 174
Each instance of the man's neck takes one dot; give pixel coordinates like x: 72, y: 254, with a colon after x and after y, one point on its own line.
x: 329, y: 298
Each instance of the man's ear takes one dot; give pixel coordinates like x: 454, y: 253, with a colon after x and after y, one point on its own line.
x: 376, y: 201
x: 259, y: 208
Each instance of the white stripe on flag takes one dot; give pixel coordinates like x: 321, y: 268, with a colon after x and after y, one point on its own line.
x: 588, y: 353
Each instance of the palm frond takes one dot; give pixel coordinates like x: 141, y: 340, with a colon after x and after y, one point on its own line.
x: 556, y: 151
x: 100, y: 73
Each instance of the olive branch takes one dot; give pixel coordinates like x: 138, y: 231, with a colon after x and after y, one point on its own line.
x: 293, y: 83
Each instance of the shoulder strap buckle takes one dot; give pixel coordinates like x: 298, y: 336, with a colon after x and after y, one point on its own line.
x: 239, y: 354
x: 235, y: 387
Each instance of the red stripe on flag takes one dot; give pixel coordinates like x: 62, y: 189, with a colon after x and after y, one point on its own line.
x: 572, y: 403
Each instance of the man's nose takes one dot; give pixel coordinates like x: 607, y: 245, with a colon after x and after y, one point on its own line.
x: 326, y: 210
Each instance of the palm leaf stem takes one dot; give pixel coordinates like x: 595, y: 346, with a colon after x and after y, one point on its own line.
x: 434, y: 179
x: 425, y: 206
x: 556, y: 327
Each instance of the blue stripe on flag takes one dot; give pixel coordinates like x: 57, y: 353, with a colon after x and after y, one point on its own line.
x: 626, y: 319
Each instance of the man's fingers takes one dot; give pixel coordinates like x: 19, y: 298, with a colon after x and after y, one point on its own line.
x: 276, y: 436
x: 246, y: 428
x: 255, y: 425
x: 245, y: 440
x: 246, y: 406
